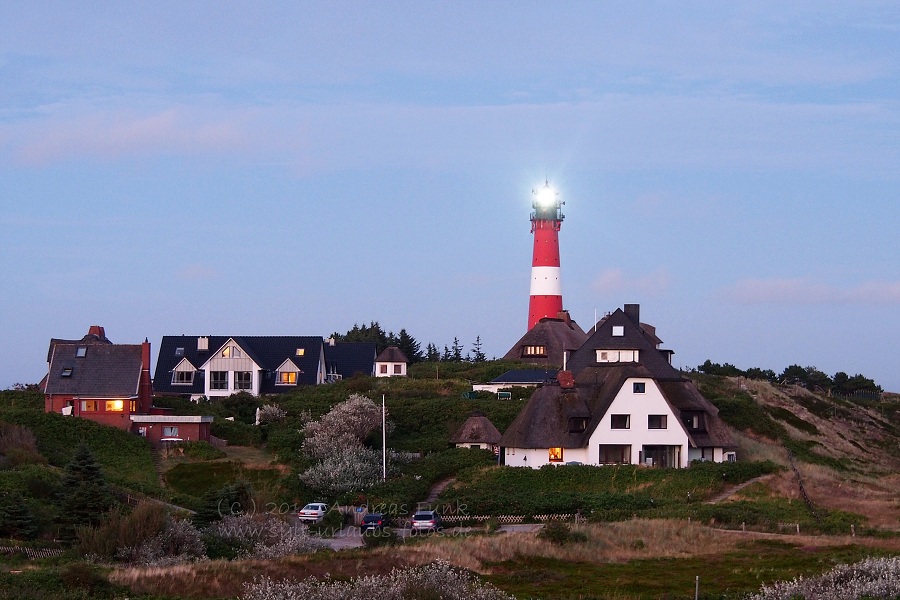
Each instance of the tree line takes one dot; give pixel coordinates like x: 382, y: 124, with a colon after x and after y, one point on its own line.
x: 808, y: 377
x: 374, y: 332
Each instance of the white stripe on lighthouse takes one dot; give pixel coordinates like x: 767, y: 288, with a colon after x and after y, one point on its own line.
x: 545, y: 281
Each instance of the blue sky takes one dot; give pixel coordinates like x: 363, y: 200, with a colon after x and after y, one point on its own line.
x: 296, y: 168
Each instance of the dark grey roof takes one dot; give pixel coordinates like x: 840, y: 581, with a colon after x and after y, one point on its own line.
x: 349, y: 358
x: 535, y: 376
x: 477, y: 429
x: 269, y: 352
x: 392, y: 354
x: 555, y: 335
x: 635, y: 337
x: 105, y: 371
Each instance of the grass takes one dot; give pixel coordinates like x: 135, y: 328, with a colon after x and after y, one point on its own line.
x: 195, y: 479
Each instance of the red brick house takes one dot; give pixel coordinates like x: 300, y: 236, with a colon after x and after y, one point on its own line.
x: 110, y: 383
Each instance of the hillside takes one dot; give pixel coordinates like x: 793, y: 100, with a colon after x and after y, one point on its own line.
x: 846, y: 451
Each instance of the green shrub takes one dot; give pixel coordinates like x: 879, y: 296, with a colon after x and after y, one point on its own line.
x: 557, y: 532
x: 200, y: 450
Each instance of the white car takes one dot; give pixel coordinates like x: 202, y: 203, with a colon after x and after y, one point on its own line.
x: 313, y: 512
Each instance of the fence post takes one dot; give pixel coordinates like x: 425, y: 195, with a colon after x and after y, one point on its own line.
x: 697, y: 587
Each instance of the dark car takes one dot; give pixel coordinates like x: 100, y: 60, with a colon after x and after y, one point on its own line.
x: 425, y: 521
x: 374, y: 522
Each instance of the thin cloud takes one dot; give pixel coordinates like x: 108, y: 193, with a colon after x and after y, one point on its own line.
x: 116, y: 134
x: 804, y: 291
x: 615, y: 281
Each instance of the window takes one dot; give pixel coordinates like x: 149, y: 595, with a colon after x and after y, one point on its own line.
x: 81, y: 351
x: 170, y: 431
x: 301, y: 351
x: 556, y: 454
x: 182, y: 378
x: 691, y: 420
x: 242, y: 380
x: 474, y: 446
x: 287, y: 378
x: 132, y: 405
x: 534, y: 351
x: 656, y: 421
x: 218, y: 380
x: 618, y: 330
x: 398, y: 369
x: 179, y: 351
x: 232, y: 352
x: 615, y: 454
x: 115, y: 405
x: 90, y: 405
x: 67, y: 372
x: 620, y: 421
x: 639, y: 387
x: 577, y: 424
x: 609, y: 356
x: 382, y: 369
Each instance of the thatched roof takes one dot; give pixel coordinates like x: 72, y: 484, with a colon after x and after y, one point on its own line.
x: 477, y: 429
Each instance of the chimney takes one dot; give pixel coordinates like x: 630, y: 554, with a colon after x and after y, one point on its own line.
x: 563, y: 316
x: 98, y: 331
x: 633, y: 312
x: 145, y: 393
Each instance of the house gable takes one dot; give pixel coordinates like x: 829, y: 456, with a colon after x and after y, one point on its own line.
x: 547, y: 342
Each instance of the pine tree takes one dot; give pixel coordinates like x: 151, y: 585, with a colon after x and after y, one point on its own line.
x: 409, y: 346
x: 85, y: 497
x: 16, y: 519
x: 477, y: 354
x: 431, y: 353
x: 456, y: 350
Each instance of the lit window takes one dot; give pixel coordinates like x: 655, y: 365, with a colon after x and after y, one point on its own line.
x: 382, y: 369
x: 556, y: 454
x: 534, y: 351
x: 656, y: 421
x: 115, y: 405
x: 232, y: 352
x: 301, y: 351
x: 218, y: 380
x: 67, y: 372
x: 90, y: 405
x: 132, y: 406
x: 170, y: 431
x: 242, y: 380
x: 618, y: 330
x: 287, y: 378
x: 398, y: 369
x: 639, y: 387
x: 81, y: 351
x: 620, y: 421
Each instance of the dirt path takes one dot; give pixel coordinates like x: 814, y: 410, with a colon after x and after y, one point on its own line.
x: 735, y: 489
x: 436, y: 490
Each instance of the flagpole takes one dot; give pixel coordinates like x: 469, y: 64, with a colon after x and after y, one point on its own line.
x: 383, y: 443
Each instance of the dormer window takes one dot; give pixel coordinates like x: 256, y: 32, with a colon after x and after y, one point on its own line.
x: 232, y: 352
x: 577, y: 424
x: 183, y: 378
x: 534, y: 351
x: 81, y: 351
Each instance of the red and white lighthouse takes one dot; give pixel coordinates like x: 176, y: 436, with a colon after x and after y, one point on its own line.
x: 546, y: 289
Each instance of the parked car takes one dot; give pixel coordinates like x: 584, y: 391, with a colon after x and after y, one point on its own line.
x: 425, y: 521
x: 313, y: 512
x: 374, y: 522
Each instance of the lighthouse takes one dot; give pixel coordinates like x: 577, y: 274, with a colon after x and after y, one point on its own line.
x: 546, y: 289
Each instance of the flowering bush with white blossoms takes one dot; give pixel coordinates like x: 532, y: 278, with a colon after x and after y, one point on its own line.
x: 437, y: 580
x: 263, y: 536
x: 872, y: 579
x: 178, y: 542
x: 348, y: 421
x: 347, y: 470
x: 270, y: 413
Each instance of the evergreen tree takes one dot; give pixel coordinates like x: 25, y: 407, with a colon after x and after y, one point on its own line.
x: 446, y: 356
x: 456, y: 351
x: 85, y: 497
x: 477, y: 354
x: 16, y: 519
x: 409, y: 346
x: 431, y: 353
